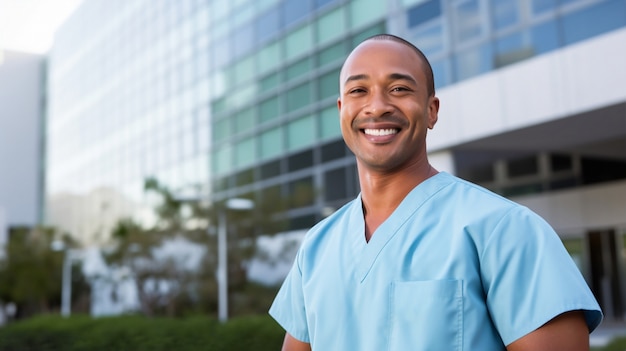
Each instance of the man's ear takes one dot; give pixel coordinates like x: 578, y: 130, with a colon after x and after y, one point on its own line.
x: 339, y: 103
x: 433, y: 111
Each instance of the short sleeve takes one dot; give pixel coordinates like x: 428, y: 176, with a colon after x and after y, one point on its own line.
x: 288, y: 308
x: 529, y: 278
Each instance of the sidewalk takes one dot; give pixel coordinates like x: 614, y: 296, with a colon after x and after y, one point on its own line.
x: 606, y: 332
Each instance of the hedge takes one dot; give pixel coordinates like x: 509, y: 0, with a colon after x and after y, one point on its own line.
x: 82, y: 333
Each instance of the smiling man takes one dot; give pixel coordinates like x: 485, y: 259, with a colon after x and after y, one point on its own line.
x: 422, y: 260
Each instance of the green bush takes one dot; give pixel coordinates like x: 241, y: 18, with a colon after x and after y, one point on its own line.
x: 80, y: 333
x: 619, y: 344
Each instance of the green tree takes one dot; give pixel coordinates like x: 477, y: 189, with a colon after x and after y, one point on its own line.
x: 196, y: 222
x: 31, y: 271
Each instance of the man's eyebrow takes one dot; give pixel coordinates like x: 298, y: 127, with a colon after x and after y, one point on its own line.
x: 392, y: 76
x: 400, y: 76
x: 356, y: 77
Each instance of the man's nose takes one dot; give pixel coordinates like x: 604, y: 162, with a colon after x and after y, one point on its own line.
x: 378, y: 104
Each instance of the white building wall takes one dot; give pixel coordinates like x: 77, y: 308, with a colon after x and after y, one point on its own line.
x: 21, y: 81
x: 571, y: 80
x: 576, y: 211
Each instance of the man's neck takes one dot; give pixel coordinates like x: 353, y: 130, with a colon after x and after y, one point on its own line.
x: 382, y: 193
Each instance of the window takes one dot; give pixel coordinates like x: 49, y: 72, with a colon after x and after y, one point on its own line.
x: 373, y: 30
x: 423, y: 13
x: 221, y: 129
x: 331, y: 54
x: 331, y: 26
x: 269, y: 109
x: 541, y: 6
x: 467, y: 20
x: 244, y: 37
x: 298, y: 97
x: 221, y: 52
x: 244, y: 120
x: 299, y: 68
x: 244, y: 150
x: 270, y: 169
x: 335, y: 184
x: 441, y: 72
x: 244, y: 70
x: 320, y: 3
x: 522, y: 166
x: 474, y: 61
x: 329, y: 85
x: 363, y: 12
x: 333, y: 150
x: 329, y: 123
x: 269, y: 57
x: 505, y: 13
x: 545, y: 37
x: 510, y: 49
x: 301, y: 192
x: 430, y: 39
x: 270, y: 82
x: 561, y: 163
x: 301, y: 133
x: 294, y: 10
x: 298, y: 42
x: 222, y: 159
x: 594, y: 20
x: 267, y: 25
x: 300, y: 161
x: 271, y: 143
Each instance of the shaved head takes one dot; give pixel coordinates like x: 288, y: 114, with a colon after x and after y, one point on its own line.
x: 428, y: 70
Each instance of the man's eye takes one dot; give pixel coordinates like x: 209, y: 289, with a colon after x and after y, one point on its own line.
x: 357, y: 90
x: 400, y: 89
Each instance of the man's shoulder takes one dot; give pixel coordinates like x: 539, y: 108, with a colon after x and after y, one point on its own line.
x: 464, y: 189
x: 323, y: 229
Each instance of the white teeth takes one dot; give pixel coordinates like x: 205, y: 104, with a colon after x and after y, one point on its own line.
x: 379, y: 132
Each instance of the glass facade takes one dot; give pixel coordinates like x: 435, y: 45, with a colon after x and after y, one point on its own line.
x: 238, y: 98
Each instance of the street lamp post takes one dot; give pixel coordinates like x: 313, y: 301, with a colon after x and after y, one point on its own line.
x: 66, y: 287
x: 222, y: 252
x: 237, y: 204
x: 222, y: 267
x: 66, y: 293
x: 69, y: 255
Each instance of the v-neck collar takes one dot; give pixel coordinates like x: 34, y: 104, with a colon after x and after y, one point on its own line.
x: 390, y: 227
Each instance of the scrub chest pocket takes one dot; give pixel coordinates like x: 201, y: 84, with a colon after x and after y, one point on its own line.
x: 426, y: 315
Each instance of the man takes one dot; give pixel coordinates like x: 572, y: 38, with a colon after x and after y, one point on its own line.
x: 422, y: 260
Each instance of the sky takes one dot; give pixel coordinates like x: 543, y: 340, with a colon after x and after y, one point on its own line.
x: 29, y: 25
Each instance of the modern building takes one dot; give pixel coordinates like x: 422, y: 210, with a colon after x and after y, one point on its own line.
x: 238, y: 99
x: 22, y: 107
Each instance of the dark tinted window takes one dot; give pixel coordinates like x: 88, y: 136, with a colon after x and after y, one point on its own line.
x: 244, y: 177
x: 300, y: 160
x: 523, y: 166
x: 423, y: 12
x: 301, y: 192
x: 335, y: 184
x: 333, y: 150
x: 270, y: 169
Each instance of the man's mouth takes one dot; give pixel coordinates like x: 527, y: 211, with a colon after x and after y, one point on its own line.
x: 380, y: 132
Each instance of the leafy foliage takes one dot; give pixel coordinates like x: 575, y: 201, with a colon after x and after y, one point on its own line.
x: 31, y: 272
x: 193, y: 291
x: 80, y: 333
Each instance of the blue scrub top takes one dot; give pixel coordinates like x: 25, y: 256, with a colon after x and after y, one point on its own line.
x: 455, y: 267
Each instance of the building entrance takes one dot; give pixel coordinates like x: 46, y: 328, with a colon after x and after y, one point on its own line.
x: 608, y: 266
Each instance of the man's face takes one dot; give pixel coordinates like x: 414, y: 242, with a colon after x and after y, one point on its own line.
x: 384, y: 106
